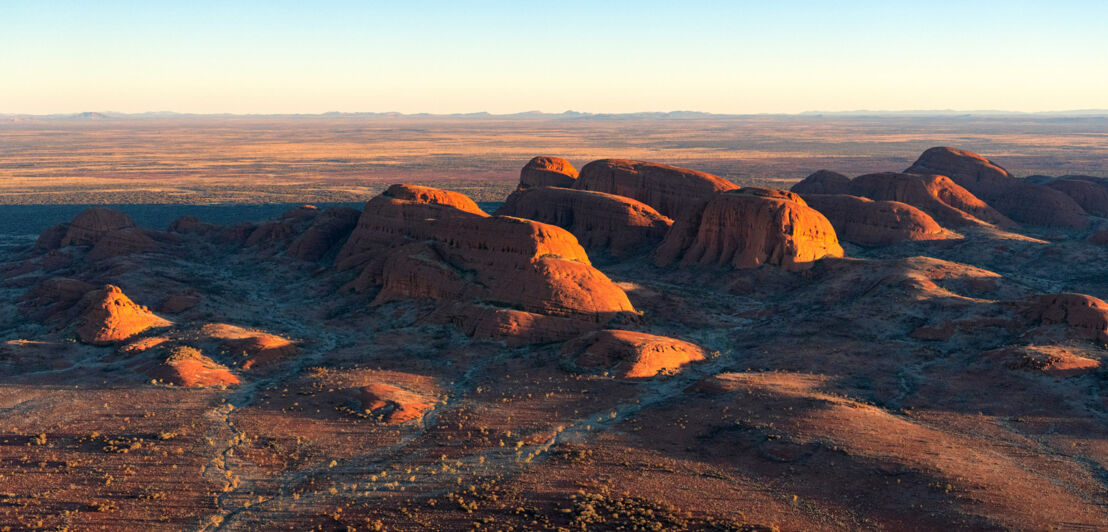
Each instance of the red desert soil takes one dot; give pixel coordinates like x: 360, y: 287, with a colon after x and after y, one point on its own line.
x: 421, y: 364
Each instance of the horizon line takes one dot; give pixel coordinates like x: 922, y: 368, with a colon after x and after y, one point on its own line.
x: 567, y: 113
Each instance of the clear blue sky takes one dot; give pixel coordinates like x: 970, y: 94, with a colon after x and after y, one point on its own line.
x: 501, y: 56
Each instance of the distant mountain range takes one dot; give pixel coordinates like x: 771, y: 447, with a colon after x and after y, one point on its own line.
x: 567, y: 115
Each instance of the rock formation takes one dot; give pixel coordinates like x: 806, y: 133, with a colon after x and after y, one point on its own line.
x: 91, y: 224
x: 1084, y: 316
x: 1090, y: 195
x: 327, y: 231
x: 749, y: 227
x: 620, y: 225
x: 547, y: 172
x: 944, y: 200
x: 422, y: 245
x: 253, y: 347
x: 875, y: 223
x: 630, y: 354
x: 823, y: 182
x: 109, y: 316
x: 121, y: 242
x: 1020, y: 200
x: 392, y: 404
x: 187, y: 366
x: 668, y: 189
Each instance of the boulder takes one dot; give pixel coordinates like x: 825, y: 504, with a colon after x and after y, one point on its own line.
x: 670, y: 190
x: 620, y: 225
x: 254, y: 347
x: 1020, y: 200
x: 823, y: 182
x: 547, y: 172
x: 875, y: 223
x: 944, y: 200
x: 108, y: 316
x: 749, y: 227
x: 630, y: 354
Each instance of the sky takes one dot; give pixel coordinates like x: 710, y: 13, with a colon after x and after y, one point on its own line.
x: 765, y: 56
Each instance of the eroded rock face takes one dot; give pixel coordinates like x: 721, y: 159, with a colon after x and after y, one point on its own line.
x: 109, y: 316
x: 944, y: 200
x: 631, y: 354
x: 670, y: 190
x: 1020, y: 200
x: 875, y: 223
x: 1084, y: 315
x: 620, y: 225
x: 823, y: 182
x: 91, y: 224
x: 1090, y: 195
x: 422, y: 246
x: 547, y: 172
x: 749, y: 227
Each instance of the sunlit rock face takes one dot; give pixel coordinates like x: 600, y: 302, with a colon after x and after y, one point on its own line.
x: 750, y: 227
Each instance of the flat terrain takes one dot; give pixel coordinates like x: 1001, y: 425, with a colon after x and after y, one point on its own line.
x: 351, y: 158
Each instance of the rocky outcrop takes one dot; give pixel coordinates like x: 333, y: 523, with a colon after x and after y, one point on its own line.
x: 178, y: 303
x: 629, y: 354
x: 326, y: 232
x: 547, y: 172
x: 187, y: 366
x: 392, y: 404
x: 944, y: 200
x: 54, y: 296
x: 749, y: 227
x: 121, y: 242
x: 1090, y: 195
x: 1017, y: 199
x: 619, y: 225
x: 422, y: 246
x: 251, y: 346
x: 109, y: 316
x: 823, y: 182
x: 1084, y: 316
x: 670, y: 190
x: 866, y: 222
x: 91, y: 224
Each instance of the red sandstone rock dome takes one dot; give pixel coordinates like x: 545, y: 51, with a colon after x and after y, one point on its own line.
x: 547, y: 172
x: 1020, y: 200
x: 749, y: 227
x: 669, y: 189
x: 823, y: 182
x: 620, y: 225
x: 875, y: 223
x: 938, y: 196
x: 421, y: 245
